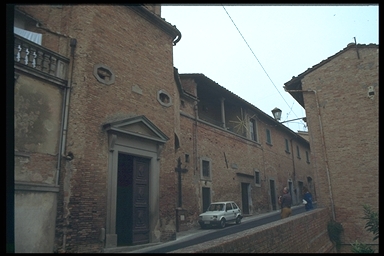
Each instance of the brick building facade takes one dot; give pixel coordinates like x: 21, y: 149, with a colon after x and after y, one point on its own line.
x: 341, y: 99
x: 249, y: 156
x: 106, y: 131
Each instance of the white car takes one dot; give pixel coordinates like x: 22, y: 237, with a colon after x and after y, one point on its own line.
x: 220, y: 213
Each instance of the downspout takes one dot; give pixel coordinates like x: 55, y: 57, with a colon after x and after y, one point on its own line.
x: 222, y: 112
x: 265, y: 176
x: 294, y: 169
x: 195, y: 139
x: 357, y: 50
x: 324, y: 148
x: 64, y: 121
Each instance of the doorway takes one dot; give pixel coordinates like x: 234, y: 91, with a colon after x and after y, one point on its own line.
x: 206, y: 198
x: 134, y: 147
x: 300, y: 185
x: 245, y: 197
x: 290, y: 187
x: 132, y: 200
x: 273, y: 194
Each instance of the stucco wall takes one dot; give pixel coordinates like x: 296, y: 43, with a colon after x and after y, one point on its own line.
x: 37, y: 124
x: 35, y: 216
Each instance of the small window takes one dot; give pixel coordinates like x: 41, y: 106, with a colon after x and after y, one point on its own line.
x: 177, y: 142
x: 269, y: 140
x: 257, y: 177
x: 287, y: 146
x: 164, y: 98
x: 307, y: 156
x: 103, y: 74
x: 298, y: 152
x: 228, y: 206
x: 253, y: 129
x: 234, y: 206
x: 205, y: 169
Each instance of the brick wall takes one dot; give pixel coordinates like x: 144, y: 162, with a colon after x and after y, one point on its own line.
x: 345, y: 126
x: 234, y: 160
x: 304, y: 233
x: 139, y: 54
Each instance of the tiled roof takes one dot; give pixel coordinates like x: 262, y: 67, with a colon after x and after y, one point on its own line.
x: 216, y: 88
x: 349, y: 46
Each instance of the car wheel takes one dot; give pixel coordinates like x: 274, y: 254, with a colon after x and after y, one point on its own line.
x: 222, y: 223
x: 238, y: 220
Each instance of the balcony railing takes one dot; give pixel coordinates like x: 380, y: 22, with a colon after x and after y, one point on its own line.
x: 35, y: 57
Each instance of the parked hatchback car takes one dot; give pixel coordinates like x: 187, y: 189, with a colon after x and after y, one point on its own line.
x: 220, y: 213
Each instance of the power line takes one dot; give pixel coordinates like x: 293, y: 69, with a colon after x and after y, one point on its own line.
x: 258, y: 60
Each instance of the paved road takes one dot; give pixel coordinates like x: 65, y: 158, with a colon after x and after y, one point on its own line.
x: 201, y: 236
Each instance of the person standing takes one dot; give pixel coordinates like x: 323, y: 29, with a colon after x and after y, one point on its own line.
x: 307, y: 199
x: 286, y: 202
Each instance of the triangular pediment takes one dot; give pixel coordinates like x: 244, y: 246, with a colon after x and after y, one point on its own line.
x: 139, y: 126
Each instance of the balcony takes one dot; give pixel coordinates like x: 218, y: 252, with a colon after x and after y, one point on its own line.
x: 40, y: 61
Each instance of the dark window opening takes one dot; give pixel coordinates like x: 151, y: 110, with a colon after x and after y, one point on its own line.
x: 164, y: 98
x: 177, y: 142
x: 104, y: 74
x: 287, y: 145
x: 206, y: 171
x: 257, y: 177
x: 252, y: 129
x: 269, y: 141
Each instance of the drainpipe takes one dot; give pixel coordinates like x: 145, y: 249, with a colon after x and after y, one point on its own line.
x: 324, y: 148
x: 64, y: 121
x: 195, y: 139
x: 222, y: 112
x: 357, y: 50
x: 294, y: 169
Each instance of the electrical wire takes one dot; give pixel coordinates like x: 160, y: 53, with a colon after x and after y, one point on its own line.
x: 258, y: 60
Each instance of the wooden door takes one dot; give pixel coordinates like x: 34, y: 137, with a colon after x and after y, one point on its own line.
x: 273, y: 194
x: 244, y: 197
x: 140, y: 207
x: 206, y: 198
x: 132, y: 200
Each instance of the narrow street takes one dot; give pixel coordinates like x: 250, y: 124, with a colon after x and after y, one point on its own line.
x: 197, y: 235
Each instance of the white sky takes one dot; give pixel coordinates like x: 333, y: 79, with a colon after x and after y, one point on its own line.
x: 275, y: 44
